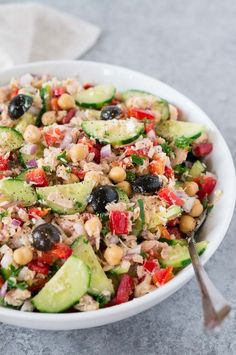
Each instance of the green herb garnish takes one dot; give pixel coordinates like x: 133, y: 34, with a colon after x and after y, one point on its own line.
x: 62, y: 158
x: 130, y: 176
x: 185, y: 142
x: 180, y: 169
x: 46, y: 168
x: 166, y: 148
x: 137, y: 160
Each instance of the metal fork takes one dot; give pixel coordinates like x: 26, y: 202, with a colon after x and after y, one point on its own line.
x: 215, y: 307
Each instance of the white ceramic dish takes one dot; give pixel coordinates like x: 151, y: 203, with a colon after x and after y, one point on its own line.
x: 214, y: 229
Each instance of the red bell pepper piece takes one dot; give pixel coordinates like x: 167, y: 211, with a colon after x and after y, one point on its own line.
x: 57, y: 92
x: 206, y: 185
x: 46, y: 258
x: 169, y: 172
x: 53, y: 136
x: 150, y: 265
x: 87, y: 86
x: 157, y: 167
x: 80, y: 173
x: 96, y: 149
x: 125, y: 289
x: 61, y: 251
x: 202, y: 149
x: 143, y: 152
x: 162, y: 276
x: 37, y: 177
x: 141, y: 114
x: 149, y: 127
x: 170, y: 197
x: 37, y: 212
x: 4, y: 163
x: 175, y: 231
x: 119, y: 222
x: 38, y: 266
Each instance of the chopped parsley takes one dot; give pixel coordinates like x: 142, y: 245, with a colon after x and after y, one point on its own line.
x: 46, y: 168
x: 136, y: 159
x: 62, y: 158
x: 130, y: 176
x: 180, y: 169
x: 166, y: 148
x: 185, y: 142
x: 3, y: 214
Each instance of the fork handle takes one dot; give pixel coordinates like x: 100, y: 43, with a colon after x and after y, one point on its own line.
x: 215, y: 307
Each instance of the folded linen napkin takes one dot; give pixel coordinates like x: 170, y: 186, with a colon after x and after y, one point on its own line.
x: 31, y: 32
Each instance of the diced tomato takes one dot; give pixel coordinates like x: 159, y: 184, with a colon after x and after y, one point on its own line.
x: 165, y: 233
x: 140, y: 114
x: 1, y: 281
x: 170, y: 197
x: 4, y: 163
x: 125, y: 289
x: 61, y: 251
x: 37, y: 177
x: 57, y: 92
x: 70, y: 114
x: 53, y: 136
x: 175, y: 231
x: 96, y: 149
x: 169, y: 172
x: 157, y: 167
x: 162, y: 276
x: 119, y: 222
x: 173, y: 222
x: 39, y: 267
x: 14, y: 92
x: 202, y: 149
x: 37, y: 284
x: 143, y: 152
x: 87, y: 86
x: 78, y: 172
x: 46, y: 258
x: 149, y: 127
x: 150, y: 265
x: 206, y: 185
x: 54, y: 104
x: 38, y: 212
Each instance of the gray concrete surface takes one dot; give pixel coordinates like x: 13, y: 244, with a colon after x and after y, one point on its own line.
x: 192, y: 46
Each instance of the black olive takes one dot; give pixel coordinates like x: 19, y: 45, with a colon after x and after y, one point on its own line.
x: 110, y: 112
x: 101, y: 196
x: 19, y: 105
x: 191, y: 157
x: 45, y: 236
x: 147, y: 183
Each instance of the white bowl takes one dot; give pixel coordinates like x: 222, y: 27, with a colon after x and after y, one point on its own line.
x: 217, y: 223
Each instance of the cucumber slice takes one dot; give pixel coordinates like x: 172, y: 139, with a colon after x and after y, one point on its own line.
x: 196, y: 169
x: 45, y: 94
x: 23, y: 122
x: 19, y: 191
x: 10, y: 139
x: 140, y: 221
x: 119, y: 270
x: 99, y: 280
x: 171, y: 129
x: 160, y: 105
x: 115, y: 132
x: 66, y: 199
x: 179, y: 257
x: 123, y: 197
x: 95, y: 97
x: 25, y: 158
x: 65, y: 288
x: 173, y: 241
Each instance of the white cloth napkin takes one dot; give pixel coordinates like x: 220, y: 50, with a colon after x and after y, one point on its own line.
x: 31, y: 32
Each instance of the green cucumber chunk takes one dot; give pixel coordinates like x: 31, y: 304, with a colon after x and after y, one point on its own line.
x: 19, y: 191
x: 99, y: 281
x: 96, y: 96
x: 179, y: 257
x: 171, y: 129
x: 159, y: 104
x: 119, y: 270
x: 197, y: 169
x: 23, y: 122
x: 66, y: 199
x: 10, y: 139
x: 173, y: 241
x: 65, y: 288
x: 123, y: 197
x: 115, y: 132
x: 24, y: 158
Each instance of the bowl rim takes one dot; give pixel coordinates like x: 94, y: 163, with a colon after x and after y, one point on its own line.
x: 166, y: 290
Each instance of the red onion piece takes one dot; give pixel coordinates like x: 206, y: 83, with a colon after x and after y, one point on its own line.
x: 32, y: 163
x: 67, y: 140
x: 16, y: 222
x: 151, y: 134
x: 3, y: 289
x: 188, y: 201
x: 105, y: 151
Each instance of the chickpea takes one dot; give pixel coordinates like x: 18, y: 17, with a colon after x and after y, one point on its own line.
x: 191, y: 188
x: 117, y: 174
x: 113, y: 254
x: 22, y: 255
x: 197, y: 209
x: 78, y: 152
x: 187, y: 224
x: 32, y: 134
x: 93, y: 175
x: 93, y: 226
x: 66, y: 102
x: 49, y: 118
x: 126, y: 187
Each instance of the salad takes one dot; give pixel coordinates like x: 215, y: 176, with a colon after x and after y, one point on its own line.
x: 98, y: 192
